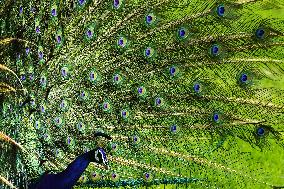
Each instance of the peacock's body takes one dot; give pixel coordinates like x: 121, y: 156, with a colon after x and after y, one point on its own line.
x: 191, y: 91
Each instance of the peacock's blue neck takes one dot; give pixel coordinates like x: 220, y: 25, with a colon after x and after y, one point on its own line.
x: 72, y: 173
x: 67, y: 178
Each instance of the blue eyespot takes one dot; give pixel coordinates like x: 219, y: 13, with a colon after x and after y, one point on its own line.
x: 89, y: 33
x: 23, y: 77
x: 93, y: 76
x: 216, y: 117
x: 37, y: 124
x: 150, y: 19
x: 27, y: 50
x: 63, y: 105
x: 21, y: 10
x: 40, y: 55
x: 42, y: 109
x: 260, y: 131
x: 244, y: 78
x: 64, y: 72
x: 69, y: 140
x: 117, y: 3
x: 37, y: 29
x: 196, y: 87
x: 182, y: 33
x: 81, y: 2
x: 215, y: 50
x: 260, y: 33
x: 80, y: 126
x: 158, y: 101
x: 147, y: 176
x: 106, y: 106
x: 141, y: 91
x: 149, y: 52
x: 135, y: 139
x: 116, y: 78
x: 172, y: 71
x: 124, y: 114
x: 221, y: 10
x: 53, y: 12
x: 58, y: 39
x: 173, y: 128
x: 43, y: 81
x: 122, y: 42
x: 83, y: 95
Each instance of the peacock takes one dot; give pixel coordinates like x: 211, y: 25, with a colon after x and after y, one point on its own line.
x: 142, y: 94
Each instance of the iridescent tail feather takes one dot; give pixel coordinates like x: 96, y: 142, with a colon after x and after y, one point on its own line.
x: 190, y: 92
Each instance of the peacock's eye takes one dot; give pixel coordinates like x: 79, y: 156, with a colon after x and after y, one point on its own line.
x: 124, y: 114
x: 81, y: 2
x: 136, y: 139
x: 172, y: 71
x: 158, y: 101
x: 117, y: 79
x: 147, y: 176
x: 141, y: 90
x: 53, y: 12
x: 244, y: 77
x: 260, y: 33
x: 221, y: 10
x: 149, y: 52
x: 103, y: 156
x: 122, y: 42
x: 63, y: 105
x: 21, y: 10
x: 40, y: 55
x: 260, y: 131
x: 215, y: 50
x: 173, y: 128
x: 37, y: 29
x: 117, y: 3
x: 27, y: 50
x: 83, y: 94
x: 68, y: 140
x: 182, y: 33
x: 23, y: 77
x: 31, y: 77
x: 64, y: 72
x: 58, y: 39
x: 216, y: 117
x: 196, y: 87
x: 113, y: 175
x: 106, y: 106
x: 37, y: 124
x: 42, y: 109
x: 150, y: 19
x: 43, y: 81
x: 89, y: 33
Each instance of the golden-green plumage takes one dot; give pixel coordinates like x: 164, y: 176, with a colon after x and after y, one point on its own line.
x: 190, y: 91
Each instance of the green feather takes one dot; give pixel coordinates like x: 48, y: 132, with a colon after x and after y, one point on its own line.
x: 190, y: 91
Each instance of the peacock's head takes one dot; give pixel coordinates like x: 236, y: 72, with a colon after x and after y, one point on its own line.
x: 98, y: 155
